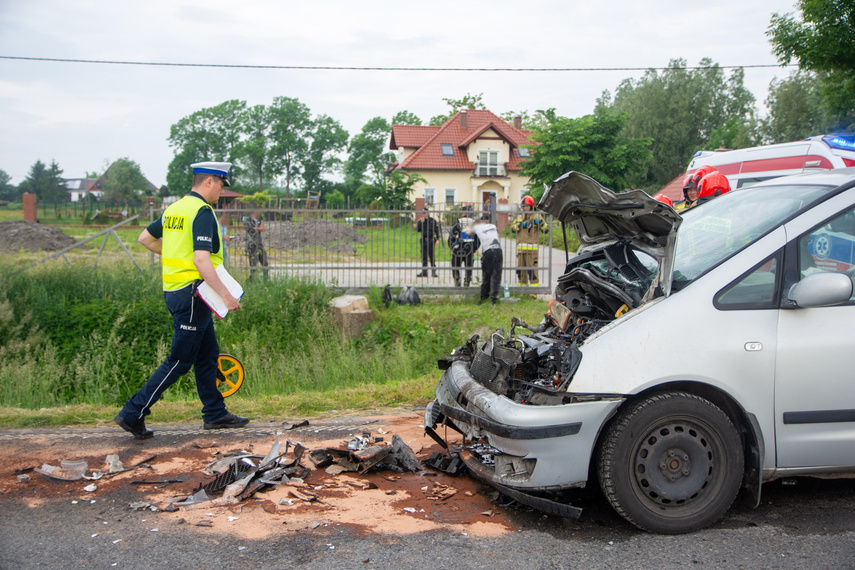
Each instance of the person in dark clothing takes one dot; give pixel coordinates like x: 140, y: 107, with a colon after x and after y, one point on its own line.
x: 462, y: 242
x: 491, y: 260
x: 254, y: 244
x: 430, y: 231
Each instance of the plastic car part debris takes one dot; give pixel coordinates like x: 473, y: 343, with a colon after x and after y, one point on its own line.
x: 91, y: 488
x: 199, y: 497
x: 286, y: 425
x: 24, y: 478
x: 67, y: 471
x: 451, y: 465
x: 115, y: 463
x: 397, y: 456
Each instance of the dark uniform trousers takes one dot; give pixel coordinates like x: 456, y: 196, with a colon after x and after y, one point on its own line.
x: 194, y: 344
x: 491, y: 273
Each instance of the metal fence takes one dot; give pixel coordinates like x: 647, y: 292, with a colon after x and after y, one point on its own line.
x: 359, y: 248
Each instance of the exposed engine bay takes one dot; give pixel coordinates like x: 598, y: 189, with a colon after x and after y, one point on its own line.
x: 537, y: 367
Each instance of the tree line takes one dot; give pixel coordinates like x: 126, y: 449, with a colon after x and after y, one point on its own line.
x: 642, y: 135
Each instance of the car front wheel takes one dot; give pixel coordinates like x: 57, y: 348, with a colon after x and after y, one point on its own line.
x: 671, y: 463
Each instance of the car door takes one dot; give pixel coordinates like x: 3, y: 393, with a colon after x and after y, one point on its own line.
x: 814, y: 385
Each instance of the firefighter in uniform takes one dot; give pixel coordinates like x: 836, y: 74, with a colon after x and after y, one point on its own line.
x: 187, y: 236
x: 691, y: 186
x: 527, y: 226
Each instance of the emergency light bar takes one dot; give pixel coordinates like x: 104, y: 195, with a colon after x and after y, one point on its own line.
x: 840, y: 142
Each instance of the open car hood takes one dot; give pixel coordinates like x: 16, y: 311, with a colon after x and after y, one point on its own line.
x: 601, y: 218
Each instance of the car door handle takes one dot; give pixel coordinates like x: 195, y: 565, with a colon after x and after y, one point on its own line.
x: 753, y: 346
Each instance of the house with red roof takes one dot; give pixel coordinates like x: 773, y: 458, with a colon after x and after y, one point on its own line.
x: 472, y: 156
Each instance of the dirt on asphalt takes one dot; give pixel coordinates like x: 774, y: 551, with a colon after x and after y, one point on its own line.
x: 31, y: 236
x: 382, y: 502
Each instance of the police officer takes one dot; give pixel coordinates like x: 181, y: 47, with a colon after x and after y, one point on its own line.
x: 187, y: 236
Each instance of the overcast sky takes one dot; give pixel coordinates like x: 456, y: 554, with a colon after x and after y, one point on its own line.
x: 86, y: 115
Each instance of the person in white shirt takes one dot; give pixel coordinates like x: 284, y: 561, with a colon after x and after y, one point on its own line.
x: 491, y: 259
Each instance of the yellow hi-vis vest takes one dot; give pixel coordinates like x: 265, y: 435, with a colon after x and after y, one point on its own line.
x: 177, y: 255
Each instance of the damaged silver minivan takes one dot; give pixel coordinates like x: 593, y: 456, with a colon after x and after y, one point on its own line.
x: 681, y: 360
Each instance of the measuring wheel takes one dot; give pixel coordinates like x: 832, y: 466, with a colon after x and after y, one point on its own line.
x: 229, y: 374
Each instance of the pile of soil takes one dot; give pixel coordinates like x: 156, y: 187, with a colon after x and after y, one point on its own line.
x: 31, y: 236
x: 310, y: 233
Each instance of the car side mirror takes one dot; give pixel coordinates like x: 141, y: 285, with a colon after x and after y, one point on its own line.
x: 821, y: 290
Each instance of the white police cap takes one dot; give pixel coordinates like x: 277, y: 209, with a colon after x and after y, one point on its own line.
x: 219, y: 169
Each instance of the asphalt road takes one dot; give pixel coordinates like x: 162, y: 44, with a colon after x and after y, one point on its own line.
x: 802, y: 523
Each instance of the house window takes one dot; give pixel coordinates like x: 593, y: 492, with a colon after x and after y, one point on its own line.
x: 488, y: 163
x: 447, y: 149
x: 524, y: 153
x: 429, y: 194
x: 449, y: 195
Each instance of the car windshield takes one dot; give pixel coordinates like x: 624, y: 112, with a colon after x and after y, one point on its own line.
x: 710, y: 233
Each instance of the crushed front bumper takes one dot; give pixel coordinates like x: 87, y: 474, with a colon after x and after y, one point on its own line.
x: 539, y: 448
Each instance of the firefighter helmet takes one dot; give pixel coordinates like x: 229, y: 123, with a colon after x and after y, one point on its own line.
x: 664, y: 199
x: 527, y: 200
x: 713, y: 184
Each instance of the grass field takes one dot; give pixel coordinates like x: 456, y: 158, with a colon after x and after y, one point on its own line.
x: 75, y: 343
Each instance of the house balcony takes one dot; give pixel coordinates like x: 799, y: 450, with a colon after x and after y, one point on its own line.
x: 490, y: 171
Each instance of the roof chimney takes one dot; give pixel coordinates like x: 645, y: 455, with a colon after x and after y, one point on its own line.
x: 518, y: 122
x: 464, y: 120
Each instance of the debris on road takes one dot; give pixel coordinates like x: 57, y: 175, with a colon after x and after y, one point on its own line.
x: 67, y: 471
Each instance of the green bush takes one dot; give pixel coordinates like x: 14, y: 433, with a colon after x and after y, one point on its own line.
x: 69, y: 335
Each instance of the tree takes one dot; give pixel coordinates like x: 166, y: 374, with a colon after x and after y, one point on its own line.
x: 213, y: 133
x: 255, y: 150
x: 468, y: 101
x: 592, y: 145
x: 367, y: 162
x: 46, y: 183
x: 795, y: 108
x: 822, y: 42
x: 292, y: 123
x: 399, y: 187
x: 680, y: 110
x: 7, y: 191
x: 124, y: 181
x: 406, y: 118
x: 328, y: 139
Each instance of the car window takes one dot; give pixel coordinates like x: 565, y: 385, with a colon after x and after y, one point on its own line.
x: 757, y: 289
x: 712, y: 232
x: 829, y: 247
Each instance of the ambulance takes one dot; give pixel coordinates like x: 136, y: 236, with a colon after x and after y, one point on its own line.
x: 747, y: 166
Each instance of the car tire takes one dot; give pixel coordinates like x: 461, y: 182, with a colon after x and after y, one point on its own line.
x: 671, y: 463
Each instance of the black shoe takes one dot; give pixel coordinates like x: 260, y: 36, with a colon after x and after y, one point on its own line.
x: 466, y: 283
x: 482, y: 300
x: 138, y: 430
x: 434, y: 273
x: 457, y: 282
x: 422, y: 274
x: 227, y: 421
x: 494, y: 301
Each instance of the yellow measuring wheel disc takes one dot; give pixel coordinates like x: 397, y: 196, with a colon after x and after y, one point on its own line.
x: 229, y: 374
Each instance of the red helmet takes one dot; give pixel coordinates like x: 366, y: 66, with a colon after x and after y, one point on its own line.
x: 713, y: 184
x: 664, y: 199
x: 527, y: 200
x: 687, y: 183
x: 700, y: 173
